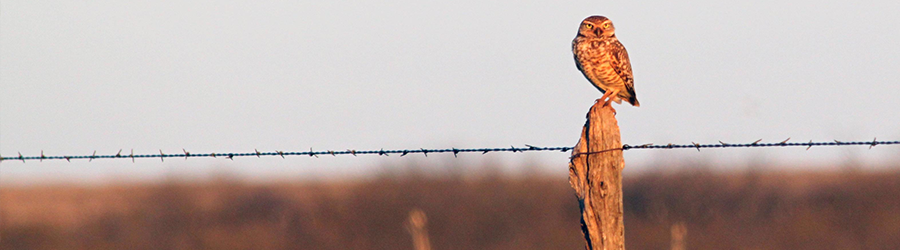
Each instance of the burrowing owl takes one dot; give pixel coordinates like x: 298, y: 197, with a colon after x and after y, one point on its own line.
x: 603, y: 60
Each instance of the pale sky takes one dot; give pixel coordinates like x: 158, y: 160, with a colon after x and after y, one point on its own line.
x: 79, y: 76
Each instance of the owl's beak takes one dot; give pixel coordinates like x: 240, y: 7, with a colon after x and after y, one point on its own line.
x: 598, y: 31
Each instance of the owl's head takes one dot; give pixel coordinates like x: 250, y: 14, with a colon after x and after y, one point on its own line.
x: 597, y: 26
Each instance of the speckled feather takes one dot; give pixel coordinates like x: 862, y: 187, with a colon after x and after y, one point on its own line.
x: 603, y: 59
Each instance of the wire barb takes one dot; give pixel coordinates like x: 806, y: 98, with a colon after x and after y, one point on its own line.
x: 782, y: 143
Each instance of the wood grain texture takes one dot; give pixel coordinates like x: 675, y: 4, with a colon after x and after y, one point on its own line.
x: 595, y: 172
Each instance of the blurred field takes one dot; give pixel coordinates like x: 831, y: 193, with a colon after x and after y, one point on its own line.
x: 750, y: 210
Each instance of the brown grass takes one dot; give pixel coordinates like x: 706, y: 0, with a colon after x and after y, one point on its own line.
x: 720, y: 211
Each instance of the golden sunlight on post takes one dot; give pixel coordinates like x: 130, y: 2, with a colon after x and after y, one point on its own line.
x: 595, y: 172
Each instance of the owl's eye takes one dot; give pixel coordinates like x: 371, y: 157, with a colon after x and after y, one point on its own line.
x: 606, y: 25
x: 589, y: 26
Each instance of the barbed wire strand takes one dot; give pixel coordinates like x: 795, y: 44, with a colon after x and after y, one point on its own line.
x: 456, y: 151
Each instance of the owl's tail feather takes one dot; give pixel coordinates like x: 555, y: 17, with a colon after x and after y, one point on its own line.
x: 633, y: 98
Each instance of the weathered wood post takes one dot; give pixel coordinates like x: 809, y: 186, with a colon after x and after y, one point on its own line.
x: 595, y: 172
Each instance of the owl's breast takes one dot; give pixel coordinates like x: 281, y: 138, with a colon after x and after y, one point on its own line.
x: 590, y: 57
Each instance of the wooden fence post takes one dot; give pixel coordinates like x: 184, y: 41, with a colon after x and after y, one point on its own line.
x: 595, y: 172
x: 415, y: 225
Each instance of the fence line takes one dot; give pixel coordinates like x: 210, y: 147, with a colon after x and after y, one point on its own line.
x: 403, y: 152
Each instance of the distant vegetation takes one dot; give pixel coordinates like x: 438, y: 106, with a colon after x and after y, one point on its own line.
x: 852, y: 210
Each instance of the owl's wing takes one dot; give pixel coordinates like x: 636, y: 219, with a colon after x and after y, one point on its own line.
x: 622, y: 65
x: 575, y: 54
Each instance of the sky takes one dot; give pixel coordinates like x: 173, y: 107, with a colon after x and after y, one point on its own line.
x: 234, y: 76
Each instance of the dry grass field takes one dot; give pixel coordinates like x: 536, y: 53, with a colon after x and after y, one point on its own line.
x: 710, y: 210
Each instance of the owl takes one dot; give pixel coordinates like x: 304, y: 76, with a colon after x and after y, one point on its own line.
x: 603, y: 60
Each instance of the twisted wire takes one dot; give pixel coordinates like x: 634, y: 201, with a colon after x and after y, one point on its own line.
x: 456, y: 151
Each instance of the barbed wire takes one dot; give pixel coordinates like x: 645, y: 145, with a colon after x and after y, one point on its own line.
x: 456, y: 151
x: 755, y: 144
